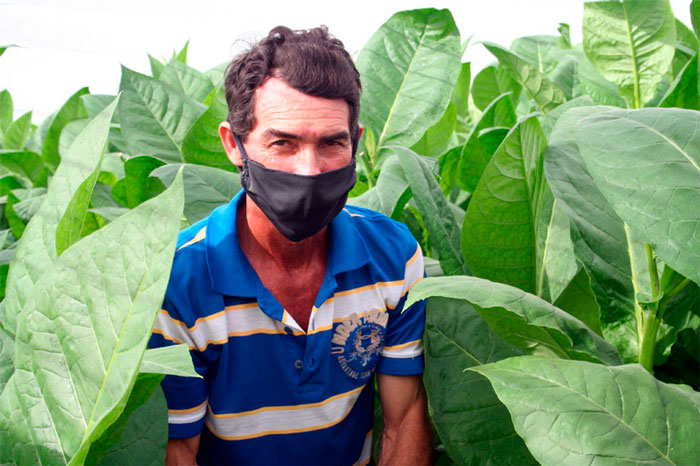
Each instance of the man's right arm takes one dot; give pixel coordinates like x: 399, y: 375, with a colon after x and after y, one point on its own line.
x: 182, y: 451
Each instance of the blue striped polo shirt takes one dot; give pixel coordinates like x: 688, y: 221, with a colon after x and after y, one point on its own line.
x: 271, y: 392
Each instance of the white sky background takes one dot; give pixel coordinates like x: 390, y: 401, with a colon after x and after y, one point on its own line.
x: 68, y: 44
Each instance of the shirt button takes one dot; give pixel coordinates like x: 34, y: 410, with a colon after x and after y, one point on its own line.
x: 299, y: 364
x: 288, y: 331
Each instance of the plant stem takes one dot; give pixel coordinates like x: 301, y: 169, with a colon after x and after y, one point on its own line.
x: 650, y: 314
x: 669, y: 296
x: 653, y: 273
x: 362, y: 157
x: 646, y: 352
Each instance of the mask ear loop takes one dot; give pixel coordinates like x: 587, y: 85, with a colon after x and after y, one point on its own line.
x: 239, y: 145
x: 243, y: 170
x: 355, y: 139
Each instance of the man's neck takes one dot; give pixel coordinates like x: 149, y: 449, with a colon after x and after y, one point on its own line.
x: 261, y: 241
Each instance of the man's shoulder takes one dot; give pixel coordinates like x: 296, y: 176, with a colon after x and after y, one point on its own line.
x: 190, y: 240
x: 381, y: 233
x: 191, y: 235
x: 189, y: 262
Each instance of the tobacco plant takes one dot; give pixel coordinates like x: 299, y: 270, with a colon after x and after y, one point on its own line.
x: 554, y: 193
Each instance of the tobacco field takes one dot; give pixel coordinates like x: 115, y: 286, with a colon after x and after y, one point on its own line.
x: 555, y: 194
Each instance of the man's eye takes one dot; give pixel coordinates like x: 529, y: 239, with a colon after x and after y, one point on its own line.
x: 280, y: 143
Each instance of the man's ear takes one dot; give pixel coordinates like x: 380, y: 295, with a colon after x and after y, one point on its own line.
x: 361, y: 129
x: 229, y: 144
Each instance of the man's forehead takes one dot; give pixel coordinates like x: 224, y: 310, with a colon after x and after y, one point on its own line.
x: 276, y: 101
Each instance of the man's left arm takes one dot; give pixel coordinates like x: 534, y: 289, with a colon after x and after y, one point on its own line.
x: 407, y: 438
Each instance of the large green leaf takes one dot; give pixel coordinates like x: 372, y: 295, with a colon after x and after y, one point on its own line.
x: 27, y: 165
x: 83, y: 332
x: 9, y: 183
x: 18, y: 133
x: 409, y: 68
x: 539, y: 88
x: 37, y: 248
x: 682, y: 312
x: 492, y: 82
x: 137, y: 185
x: 184, y: 78
x: 77, y: 222
x: 474, y: 426
x: 438, y: 216
x: 95, y: 103
x: 521, y: 319
x: 385, y: 196
x: 565, y: 73
x: 461, y: 92
x: 695, y: 16
x: 500, y: 230
x: 5, y: 259
x: 538, y: 51
x: 573, y: 412
x: 18, y: 446
x: 558, y: 256
x: 21, y: 206
x: 579, y: 300
x: 466, y: 165
x: 202, y: 144
x: 647, y: 164
x: 6, y: 111
x: 155, y: 117
x: 439, y: 137
x: 685, y: 90
x: 601, y: 240
x: 71, y: 110
x: 594, y: 85
x: 216, y: 74
x: 632, y: 43
x: 686, y: 47
x: 140, y: 435
x: 205, y: 187
x: 69, y: 133
x: 7, y: 358
x: 169, y: 360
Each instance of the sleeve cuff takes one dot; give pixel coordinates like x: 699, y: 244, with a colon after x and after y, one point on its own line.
x: 185, y: 430
x: 401, y: 366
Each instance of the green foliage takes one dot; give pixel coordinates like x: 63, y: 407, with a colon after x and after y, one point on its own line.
x: 632, y: 43
x: 610, y: 415
x: 154, y: 116
x: 577, y: 216
x: 474, y: 426
x: 666, y: 149
x: 522, y: 319
x: 545, y: 94
x: 80, y: 403
x: 500, y: 238
x: 409, y: 68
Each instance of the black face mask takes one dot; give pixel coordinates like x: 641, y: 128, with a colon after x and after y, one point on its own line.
x: 298, y: 205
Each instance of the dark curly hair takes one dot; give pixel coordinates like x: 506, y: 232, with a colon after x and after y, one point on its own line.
x: 310, y: 61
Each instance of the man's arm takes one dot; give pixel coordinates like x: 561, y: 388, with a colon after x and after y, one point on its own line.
x: 407, y: 438
x: 182, y: 451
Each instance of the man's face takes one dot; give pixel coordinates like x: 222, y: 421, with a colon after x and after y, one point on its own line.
x: 298, y: 133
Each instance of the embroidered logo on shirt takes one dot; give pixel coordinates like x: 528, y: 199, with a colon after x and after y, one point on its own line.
x: 358, y: 341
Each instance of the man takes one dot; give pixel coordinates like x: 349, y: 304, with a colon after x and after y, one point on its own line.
x: 290, y: 301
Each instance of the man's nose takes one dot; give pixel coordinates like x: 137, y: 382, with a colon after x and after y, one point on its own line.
x: 308, y: 161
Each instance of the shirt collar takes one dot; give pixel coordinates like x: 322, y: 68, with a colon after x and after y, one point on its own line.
x: 229, y: 270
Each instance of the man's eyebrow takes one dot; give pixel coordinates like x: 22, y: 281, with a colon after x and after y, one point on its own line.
x: 336, y: 136
x: 272, y: 132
